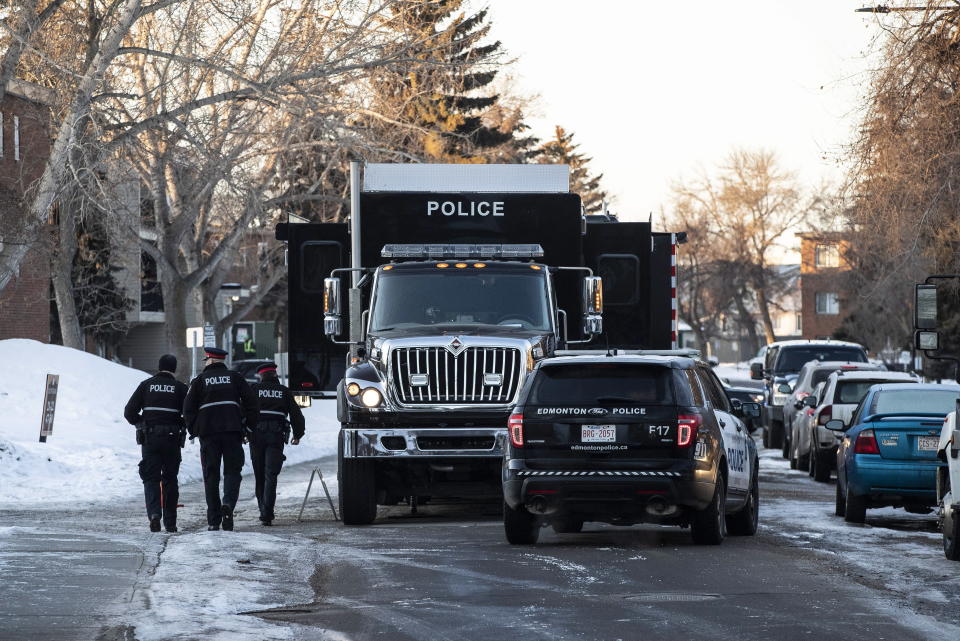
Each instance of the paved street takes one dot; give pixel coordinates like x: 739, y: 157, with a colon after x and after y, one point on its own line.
x: 447, y: 573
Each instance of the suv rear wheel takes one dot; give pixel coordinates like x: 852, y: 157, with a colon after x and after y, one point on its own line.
x: 709, y: 525
x: 521, y: 527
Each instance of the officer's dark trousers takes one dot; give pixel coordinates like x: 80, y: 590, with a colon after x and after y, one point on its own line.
x: 228, y: 447
x: 266, y: 455
x: 161, y: 463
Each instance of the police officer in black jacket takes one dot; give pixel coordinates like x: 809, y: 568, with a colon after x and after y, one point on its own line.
x: 156, y: 409
x: 272, y: 431
x: 218, y: 403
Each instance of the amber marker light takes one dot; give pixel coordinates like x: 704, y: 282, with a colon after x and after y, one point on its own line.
x: 442, y: 265
x: 536, y: 267
x: 387, y: 268
x: 460, y: 265
x: 479, y: 265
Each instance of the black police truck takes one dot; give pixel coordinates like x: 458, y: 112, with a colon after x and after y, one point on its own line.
x: 424, y: 315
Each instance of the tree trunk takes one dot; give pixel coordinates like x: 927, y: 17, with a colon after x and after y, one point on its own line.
x: 62, y: 277
x: 747, y: 322
x: 764, y: 305
x: 175, y: 297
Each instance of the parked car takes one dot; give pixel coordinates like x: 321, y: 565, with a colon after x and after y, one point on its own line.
x: 888, y: 453
x: 628, y: 439
x: 948, y: 486
x: 839, y: 397
x: 744, y: 395
x: 783, y: 361
x: 794, y: 410
x: 247, y: 368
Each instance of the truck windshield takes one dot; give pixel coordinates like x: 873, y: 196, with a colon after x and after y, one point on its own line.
x: 410, y: 298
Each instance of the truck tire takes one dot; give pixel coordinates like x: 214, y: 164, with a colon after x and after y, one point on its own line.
x: 855, y: 508
x: 951, y: 536
x: 745, y: 521
x: 521, y: 527
x: 356, y: 479
x: 709, y: 525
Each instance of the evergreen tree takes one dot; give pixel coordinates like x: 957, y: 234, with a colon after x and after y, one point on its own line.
x: 561, y: 150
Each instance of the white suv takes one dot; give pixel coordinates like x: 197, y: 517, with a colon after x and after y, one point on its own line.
x: 839, y: 397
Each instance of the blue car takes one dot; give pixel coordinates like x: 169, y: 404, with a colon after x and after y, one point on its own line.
x: 888, y: 455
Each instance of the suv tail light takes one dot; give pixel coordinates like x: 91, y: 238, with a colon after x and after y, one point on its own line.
x: 515, y: 426
x: 826, y: 413
x: 687, y: 426
x: 866, y: 443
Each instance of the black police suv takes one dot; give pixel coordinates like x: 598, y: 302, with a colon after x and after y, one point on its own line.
x: 625, y: 440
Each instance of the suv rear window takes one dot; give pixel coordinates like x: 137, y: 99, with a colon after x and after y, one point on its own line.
x: 794, y: 358
x: 854, y: 391
x: 922, y: 401
x: 603, y: 383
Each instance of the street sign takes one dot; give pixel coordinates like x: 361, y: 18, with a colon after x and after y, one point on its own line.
x: 209, y: 336
x: 49, y: 406
x: 194, y: 337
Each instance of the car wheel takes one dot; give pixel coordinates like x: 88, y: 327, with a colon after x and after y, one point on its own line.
x: 785, y: 443
x: 951, y: 537
x: 841, y: 507
x: 803, y: 462
x: 821, y: 471
x: 746, y: 521
x: 356, y: 479
x: 855, y: 509
x: 521, y: 527
x: 812, y: 462
x: 709, y: 525
x: 567, y: 525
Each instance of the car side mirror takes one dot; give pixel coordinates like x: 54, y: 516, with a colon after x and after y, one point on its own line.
x: 756, y: 371
x: 836, y: 425
x: 784, y: 388
x: 750, y: 410
x: 736, y: 404
x: 332, y: 324
x: 810, y: 401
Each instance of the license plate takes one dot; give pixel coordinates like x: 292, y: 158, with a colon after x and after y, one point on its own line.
x: 928, y: 443
x: 598, y: 433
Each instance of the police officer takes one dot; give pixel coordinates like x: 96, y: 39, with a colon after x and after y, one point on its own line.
x: 218, y: 402
x: 156, y: 409
x: 272, y: 431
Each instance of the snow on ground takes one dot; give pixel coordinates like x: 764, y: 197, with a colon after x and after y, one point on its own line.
x: 229, y: 573
x: 92, y: 454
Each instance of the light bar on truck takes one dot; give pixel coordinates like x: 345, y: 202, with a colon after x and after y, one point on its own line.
x: 462, y: 251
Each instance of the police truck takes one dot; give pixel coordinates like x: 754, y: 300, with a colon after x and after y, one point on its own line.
x: 424, y: 314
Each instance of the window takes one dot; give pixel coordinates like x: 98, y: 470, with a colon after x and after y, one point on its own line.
x: 713, y: 390
x: 776, y: 321
x: 603, y: 383
x: 827, y: 256
x: 799, y: 323
x: 694, y: 387
x: 828, y: 303
x: 16, y: 137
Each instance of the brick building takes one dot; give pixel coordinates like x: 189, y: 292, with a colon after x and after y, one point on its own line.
x: 24, y: 147
x: 822, y: 263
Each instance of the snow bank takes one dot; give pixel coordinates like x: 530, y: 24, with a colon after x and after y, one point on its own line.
x: 92, y: 455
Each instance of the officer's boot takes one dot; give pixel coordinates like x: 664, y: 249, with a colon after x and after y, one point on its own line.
x: 155, y: 523
x: 227, y: 512
x: 170, y: 523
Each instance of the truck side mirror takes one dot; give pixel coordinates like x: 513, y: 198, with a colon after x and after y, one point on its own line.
x: 756, y: 371
x: 925, y: 307
x: 592, y: 305
x: 332, y: 324
x: 926, y: 339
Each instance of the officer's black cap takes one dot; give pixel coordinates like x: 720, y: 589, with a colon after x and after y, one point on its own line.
x: 214, y: 352
x: 266, y: 367
x: 168, y: 363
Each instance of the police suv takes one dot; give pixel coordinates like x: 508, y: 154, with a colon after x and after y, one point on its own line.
x: 629, y: 439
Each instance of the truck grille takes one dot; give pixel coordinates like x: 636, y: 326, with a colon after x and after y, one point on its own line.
x: 480, y: 375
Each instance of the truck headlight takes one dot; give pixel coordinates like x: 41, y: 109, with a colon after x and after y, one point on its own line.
x: 353, y: 389
x: 371, y: 397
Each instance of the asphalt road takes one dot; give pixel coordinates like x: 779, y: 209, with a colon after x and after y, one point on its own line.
x: 448, y: 573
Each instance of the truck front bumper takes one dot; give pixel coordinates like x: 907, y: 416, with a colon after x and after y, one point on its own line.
x: 424, y: 442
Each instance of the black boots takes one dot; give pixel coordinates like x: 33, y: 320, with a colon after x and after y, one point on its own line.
x: 154, y: 523
x: 212, y: 528
x: 227, y: 513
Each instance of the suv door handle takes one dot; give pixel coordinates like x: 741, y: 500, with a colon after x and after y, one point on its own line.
x: 722, y: 424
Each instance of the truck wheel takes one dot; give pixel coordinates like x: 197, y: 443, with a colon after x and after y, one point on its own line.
x: 709, y: 525
x: 855, y: 510
x: 841, y: 505
x: 745, y: 521
x: 520, y: 526
x: 567, y: 525
x: 951, y: 536
x: 356, y: 479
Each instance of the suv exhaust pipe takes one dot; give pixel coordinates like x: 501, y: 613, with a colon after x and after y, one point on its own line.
x: 659, y: 506
x: 538, y: 505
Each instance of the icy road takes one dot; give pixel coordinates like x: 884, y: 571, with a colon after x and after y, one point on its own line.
x: 447, y: 573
